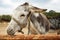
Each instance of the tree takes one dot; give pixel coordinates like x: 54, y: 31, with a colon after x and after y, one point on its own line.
x: 6, y: 18
x: 52, y: 14
x: 52, y: 11
x: 0, y: 18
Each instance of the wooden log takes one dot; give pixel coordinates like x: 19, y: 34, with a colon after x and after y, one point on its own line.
x: 30, y: 37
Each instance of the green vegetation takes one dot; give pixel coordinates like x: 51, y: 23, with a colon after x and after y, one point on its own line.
x: 52, y: 14
x: 5, y: 18
x: 0, y: 18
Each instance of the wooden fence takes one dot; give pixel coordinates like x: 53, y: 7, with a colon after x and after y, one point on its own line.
x: 30, y: 37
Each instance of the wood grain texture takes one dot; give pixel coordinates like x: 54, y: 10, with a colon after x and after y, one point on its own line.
x: 30, y: 37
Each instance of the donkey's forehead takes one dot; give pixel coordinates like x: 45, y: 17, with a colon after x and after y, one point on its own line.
x: 24, y: 12
x: 21, y: 12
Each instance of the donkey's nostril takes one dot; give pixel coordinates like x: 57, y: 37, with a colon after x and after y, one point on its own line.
x: 22, y: 15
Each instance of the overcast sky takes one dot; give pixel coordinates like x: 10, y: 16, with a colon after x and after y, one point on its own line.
x: 7, y: 6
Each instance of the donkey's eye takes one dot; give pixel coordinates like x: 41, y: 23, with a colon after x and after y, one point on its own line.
x: 22, y: 15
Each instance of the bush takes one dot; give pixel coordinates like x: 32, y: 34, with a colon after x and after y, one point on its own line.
x: 6, y: 18
x: 0, y: 18
x: 52, y: 14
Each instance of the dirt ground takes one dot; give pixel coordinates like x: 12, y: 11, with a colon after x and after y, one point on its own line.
x: 3, y: 26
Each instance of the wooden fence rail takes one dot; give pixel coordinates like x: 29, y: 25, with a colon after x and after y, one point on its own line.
x: 30, y: 37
